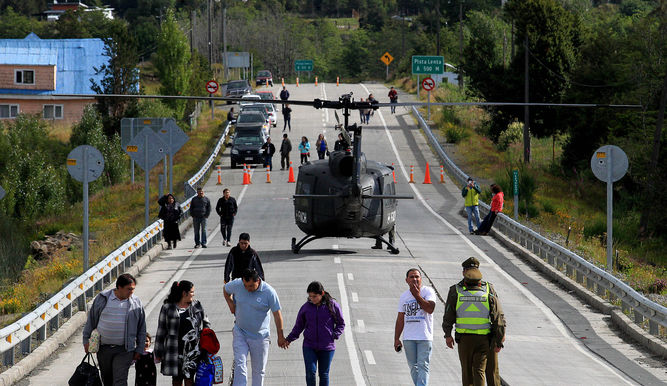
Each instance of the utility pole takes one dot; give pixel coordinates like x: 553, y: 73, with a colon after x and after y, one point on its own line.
x: 437, y: 27
x: 192, y: 32
x: 210, y: 46
x: 224, y: 38
x: 526, y: 109
x: 460, y: 45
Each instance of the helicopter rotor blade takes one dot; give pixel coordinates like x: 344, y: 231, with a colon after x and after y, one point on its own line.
x: 388, y: 196
x: 319, y: 196
x: 336, y: 115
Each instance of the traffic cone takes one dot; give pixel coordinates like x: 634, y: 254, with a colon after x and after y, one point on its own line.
x: 290, y: 179
x: 337, y: 81
x: 219, y: 176
x: 412, y: 175
x: 267, y: 83
x: 427, y: 176
x: 282, y: 80
x: 393, y: 173
x: 315, y: 81
x: 442, y: 174
x: 245, y: 175
x: 249, y: 175
x: 297, y: 81
x: 268, y: 175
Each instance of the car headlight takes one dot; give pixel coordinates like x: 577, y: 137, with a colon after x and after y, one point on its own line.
x: 234, y: 151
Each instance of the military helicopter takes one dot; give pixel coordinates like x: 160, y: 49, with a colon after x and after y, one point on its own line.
x: 346, y: 195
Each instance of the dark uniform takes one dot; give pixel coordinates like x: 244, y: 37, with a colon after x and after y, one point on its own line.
x: 478, y: 331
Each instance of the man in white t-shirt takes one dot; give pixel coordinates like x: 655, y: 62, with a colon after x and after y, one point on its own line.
x: 415, y: 322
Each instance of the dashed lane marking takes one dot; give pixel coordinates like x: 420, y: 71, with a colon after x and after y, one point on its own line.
x: 361, y: 326
x: 349, y: 337
x: 355, y: 297
x: 369, y: 357
x: 350, y: 276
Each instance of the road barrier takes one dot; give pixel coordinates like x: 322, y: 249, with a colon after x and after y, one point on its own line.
x: 600, y: 285
x: 36, y: 326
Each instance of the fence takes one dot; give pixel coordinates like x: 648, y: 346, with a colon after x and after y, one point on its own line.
x: 49, y: 316
x: 646, y: 313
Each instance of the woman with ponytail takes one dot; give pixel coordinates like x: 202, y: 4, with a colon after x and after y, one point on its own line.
x: 177, y: 340
x: 321, y: 321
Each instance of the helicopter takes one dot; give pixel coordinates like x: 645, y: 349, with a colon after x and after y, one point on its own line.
x: 346, y: 195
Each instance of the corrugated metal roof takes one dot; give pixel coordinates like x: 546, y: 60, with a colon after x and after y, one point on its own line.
x: 75, y: 60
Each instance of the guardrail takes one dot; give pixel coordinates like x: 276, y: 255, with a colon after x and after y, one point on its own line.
x: 49, y: 316
x: 647, y: 314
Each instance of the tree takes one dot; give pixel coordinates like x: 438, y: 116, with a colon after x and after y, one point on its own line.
x: 173, y: 62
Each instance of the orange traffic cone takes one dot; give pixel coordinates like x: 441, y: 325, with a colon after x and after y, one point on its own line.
x: 337, y: 81
x: 427, y: 176
x: 267, y: 83
x: 442, y: 174
x: 282, y: 80
x: 393, y: 173
x: 297, y: 81
x: 290, y: 179
x: 268, y: 175
x: 315, y: 81
x: 249, y: 175
x: 412, y: 175
x: 219, y: 176
x: 246, y: 178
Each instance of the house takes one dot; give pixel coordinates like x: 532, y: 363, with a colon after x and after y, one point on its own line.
x: 32, y: 70
x: 57, y: 8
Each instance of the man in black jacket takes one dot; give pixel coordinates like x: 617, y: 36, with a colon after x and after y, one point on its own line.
x: 241, y: 257
x: 200, y: 209
x: 285, y: 148
x: 226, y: 209
x: 269, y: 150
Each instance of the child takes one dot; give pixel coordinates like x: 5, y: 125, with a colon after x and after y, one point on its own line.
x: 210, y: 369
x: 145, y: 366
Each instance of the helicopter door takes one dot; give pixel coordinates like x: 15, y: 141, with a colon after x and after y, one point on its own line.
x: 389, y: 205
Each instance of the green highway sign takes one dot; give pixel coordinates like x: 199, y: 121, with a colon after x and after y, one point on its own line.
x: 303, y: 65
x: 428, y: 65
x: 515, y: 181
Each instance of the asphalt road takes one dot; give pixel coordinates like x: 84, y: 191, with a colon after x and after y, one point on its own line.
x: 552, y: 338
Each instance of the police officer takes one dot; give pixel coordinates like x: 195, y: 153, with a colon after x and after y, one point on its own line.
x: 473, y: 305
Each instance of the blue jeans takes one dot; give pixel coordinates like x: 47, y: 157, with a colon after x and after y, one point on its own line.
x: 259, y: 355
x: 472, y: 210
x: 418, y: 353
x: 199, y: 223
x: 317, y: 361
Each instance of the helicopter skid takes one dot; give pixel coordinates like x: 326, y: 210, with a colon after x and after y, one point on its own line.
x: 296, y: 247
x: 390, y: 246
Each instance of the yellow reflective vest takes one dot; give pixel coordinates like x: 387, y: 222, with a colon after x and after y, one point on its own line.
x: 473, y: 310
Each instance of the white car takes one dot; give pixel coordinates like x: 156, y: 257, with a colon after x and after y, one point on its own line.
x: 273, y: 114
x: 249, y: 99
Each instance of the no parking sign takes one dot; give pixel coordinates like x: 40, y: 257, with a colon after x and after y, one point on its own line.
x: 212, y: 87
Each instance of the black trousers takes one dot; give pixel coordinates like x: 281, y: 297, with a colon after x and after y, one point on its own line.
x: 284, y: 160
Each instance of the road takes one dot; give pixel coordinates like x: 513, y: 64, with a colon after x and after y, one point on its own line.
x: 553, y: 338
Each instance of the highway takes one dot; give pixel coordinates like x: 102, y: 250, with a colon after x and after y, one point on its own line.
x: 552, y: 337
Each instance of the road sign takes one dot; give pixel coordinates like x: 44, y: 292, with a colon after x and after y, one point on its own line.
x: 609, y: 155
x: 85, y: 162
x: 428, y: 84
x: 387, y: 58
x: 428, y: 65
x: 2, y: 193
x: 148, y: 153
x: 212, y: 87
x: 303, y: 65
x: 515, y: 181
x: 238, y: 60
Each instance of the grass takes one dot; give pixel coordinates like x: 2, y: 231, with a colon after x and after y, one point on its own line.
x: 116, y: 215
x: 559, y: 203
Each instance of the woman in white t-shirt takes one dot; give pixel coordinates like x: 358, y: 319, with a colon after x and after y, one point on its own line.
x: 415, y: 322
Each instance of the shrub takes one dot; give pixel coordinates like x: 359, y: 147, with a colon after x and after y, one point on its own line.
x: 595, y: 227
x: 455, y: 134
x: 513, y: 134
x: 548, y: 206
x: 658, y: 286
x: 13, y: 249
x: 530, y: 210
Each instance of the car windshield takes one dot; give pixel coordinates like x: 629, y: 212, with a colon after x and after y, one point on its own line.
x: 263, y: 73
x: 259, y: 108
x: 266, y: 96
x: 253, y: 140
x: 237, y: 84
x: 250, y: 118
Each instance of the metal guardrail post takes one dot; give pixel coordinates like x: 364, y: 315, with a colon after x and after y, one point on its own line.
x: 653, y: 327
x: 41, y: 333
x: 26, y: 345
x: 54, y: 323
x: 67, y: 311
x: 81, y: 300
x: 8, y: 358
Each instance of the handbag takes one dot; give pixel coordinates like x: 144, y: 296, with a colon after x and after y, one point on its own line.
x: 86, y: 374
x: 94, y: 342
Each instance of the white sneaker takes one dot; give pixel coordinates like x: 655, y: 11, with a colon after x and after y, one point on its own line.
x: 229, y: 244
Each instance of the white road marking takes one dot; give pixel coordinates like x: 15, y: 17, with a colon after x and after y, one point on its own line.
x: 361, y: 326
x: 336, y: 259
x: 369, y: 357
x: 349, y: 338
x: 355, y: 297
x: 350, y: 276
x: 335, y: 246
x: 537, y: 302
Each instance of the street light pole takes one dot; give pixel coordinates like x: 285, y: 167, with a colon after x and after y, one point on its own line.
x: 210, y: 46
x: 460, y: 44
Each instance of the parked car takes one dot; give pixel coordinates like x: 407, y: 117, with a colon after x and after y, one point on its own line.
x: 247, y: 146
x: 265, y: 108
x: 237, y: 88
x: 273, y: 113
x: 263, y: 76
x: 249, y: 99
x: 266, y: 95
x: 248, y: 117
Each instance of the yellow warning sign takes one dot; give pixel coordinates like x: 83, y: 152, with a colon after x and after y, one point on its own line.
x: 387, y: 58
x: 601, y: 154
x: 132, y: 149
x: 71, y: 162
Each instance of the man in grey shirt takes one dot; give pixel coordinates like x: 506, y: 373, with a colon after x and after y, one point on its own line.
x: 120, y: 319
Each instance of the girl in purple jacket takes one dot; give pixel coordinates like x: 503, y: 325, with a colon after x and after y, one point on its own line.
x: 321, y: 321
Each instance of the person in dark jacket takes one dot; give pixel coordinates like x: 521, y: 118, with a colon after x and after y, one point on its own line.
x: 200, y: 209
x: 340, y: 144
x: 170, y: 213
x: 287, y: 117
x: 269, y: 150
x: 285, y: 149
x: 230, y: 115
x: 321, y: 321
x: 226, y: 209
x: 241, y: 257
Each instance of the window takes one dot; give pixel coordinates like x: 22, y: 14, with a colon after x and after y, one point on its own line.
x: 24, y: 76
x: 53, y: 112
x: 9, y: 111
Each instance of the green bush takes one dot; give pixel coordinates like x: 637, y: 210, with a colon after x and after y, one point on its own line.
x: 513, y: 134
x: 548, y: 206
x: 530, y: 210
x: 13, y: 249
x: 455, y: 134
x: 595, y: 227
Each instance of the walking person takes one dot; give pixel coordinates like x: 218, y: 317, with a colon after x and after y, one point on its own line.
x: 145, y: 370
x: 496, y: 207
x: 370, y: 111
x: 285, y: 149
x: 304, y: 150
x: 471, y: 193
x: 321, y: 146
x: 287, y: 117
x: 362, y: 113
x: 181, y: 320
x: 340, y: 144
x: 240, y: 258
x: 393, y: 98
x: 415, y: 322
x: 253, y: 300
x: 170, y: 213
x: 473, y: 306
x: 119, y: 318
x: 226, y: 208
x: 269, y: 150
x: 321, y: 321
x: 284, y: 94
x: 200, y: 209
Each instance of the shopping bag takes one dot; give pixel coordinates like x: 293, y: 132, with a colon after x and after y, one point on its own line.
x: 94, y: 342
x: 86, y: 374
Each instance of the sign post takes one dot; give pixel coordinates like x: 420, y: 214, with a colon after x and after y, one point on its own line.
x: 609, y: 164
x: 302, y: 65
x: 85, y: 163
x: 386, y: 59
x: 515, y: 184
x: 428, y: 84
x: 212, y: 88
